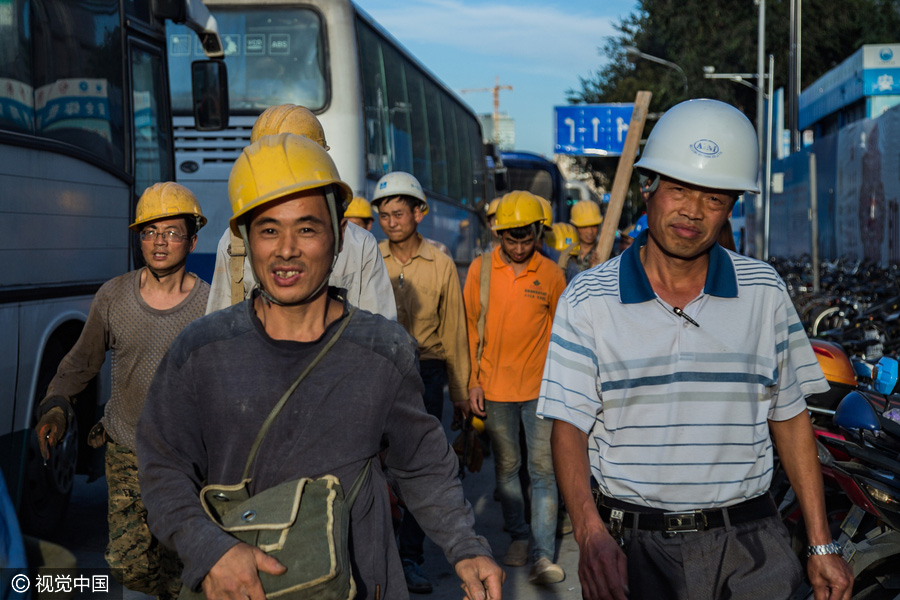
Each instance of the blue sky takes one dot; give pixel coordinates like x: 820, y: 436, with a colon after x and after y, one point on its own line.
x: 540, y: 48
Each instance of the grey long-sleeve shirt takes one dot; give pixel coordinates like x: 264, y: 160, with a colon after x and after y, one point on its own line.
x: 215, y: 388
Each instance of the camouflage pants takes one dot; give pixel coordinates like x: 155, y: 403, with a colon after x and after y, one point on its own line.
x: 137, y: 558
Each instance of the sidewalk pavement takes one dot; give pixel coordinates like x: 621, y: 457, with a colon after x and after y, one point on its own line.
x: 479, y: 490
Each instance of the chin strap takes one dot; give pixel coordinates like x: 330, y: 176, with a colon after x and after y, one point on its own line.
x: 158, y: 274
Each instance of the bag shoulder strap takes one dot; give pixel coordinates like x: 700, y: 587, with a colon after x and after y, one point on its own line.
x: 236, y: 252
x: 271, y: 418
x: 485, y: 289
x: 350, y: 498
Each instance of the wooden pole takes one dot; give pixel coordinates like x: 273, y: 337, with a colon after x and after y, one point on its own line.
x: 623, y: 178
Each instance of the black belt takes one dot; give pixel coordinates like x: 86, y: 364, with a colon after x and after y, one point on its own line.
x: 622, y: 515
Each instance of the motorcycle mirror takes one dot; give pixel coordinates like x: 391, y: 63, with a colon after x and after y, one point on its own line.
x: 884, y: 375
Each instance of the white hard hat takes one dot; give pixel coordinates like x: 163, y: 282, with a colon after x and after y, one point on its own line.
x: 704, y: 142
x: 399, y: 183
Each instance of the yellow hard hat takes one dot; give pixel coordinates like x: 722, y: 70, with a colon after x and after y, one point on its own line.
x: 492, y: 207
x: 359, y: 208
x: 548, y: 211
x: 289, y: 118
x: 477, y: 424
x: 166, y: 200
x: 562, y: 236
x: 586, y: 213
x: 277, y: 166
x: 518, y: 209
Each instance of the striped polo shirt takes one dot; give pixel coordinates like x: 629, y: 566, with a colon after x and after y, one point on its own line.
x: 677, y: 413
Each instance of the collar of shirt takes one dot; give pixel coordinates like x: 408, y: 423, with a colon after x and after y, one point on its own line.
x: 634, y: 287
x: 498, y: 262
x: 425, y: 250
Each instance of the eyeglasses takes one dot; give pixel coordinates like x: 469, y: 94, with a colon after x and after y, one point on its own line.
x: 168, y: 236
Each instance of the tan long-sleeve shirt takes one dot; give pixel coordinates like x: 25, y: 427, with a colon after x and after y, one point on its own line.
x: 430, y: 307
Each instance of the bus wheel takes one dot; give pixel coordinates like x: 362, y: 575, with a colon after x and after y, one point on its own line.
x: 47, y: 487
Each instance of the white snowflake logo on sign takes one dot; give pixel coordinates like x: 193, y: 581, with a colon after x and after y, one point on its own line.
x: 885, y: 83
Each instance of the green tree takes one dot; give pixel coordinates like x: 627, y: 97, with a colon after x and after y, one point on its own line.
x: 723, y: 34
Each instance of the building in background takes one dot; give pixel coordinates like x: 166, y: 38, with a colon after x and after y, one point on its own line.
x: 506, y: 130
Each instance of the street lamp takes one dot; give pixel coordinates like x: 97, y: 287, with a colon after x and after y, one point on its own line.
x: 633, y: 55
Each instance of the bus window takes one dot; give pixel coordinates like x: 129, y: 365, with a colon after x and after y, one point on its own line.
x: 78, y: 77
x: 451, y: 145
x: 437, y: 149
x: 418, y: 116
x: 374, y: 99
x: 16, y: 91
x: 152, y: 133
x: 398, y: 110
x: 273, y: 56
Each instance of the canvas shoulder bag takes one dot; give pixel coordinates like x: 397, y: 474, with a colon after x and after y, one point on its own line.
x: 303, y: 523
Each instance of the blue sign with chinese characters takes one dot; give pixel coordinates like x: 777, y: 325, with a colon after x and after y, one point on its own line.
x: 592, y: 129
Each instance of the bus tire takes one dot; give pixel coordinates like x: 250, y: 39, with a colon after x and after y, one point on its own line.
x: 48, y: 487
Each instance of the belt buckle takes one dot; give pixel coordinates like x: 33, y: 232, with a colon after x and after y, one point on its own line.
x: 685, y: 522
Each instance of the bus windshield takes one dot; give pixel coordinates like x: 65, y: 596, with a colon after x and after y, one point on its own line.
x: 274, y: 56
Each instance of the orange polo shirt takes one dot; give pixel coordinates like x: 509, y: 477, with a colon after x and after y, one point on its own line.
x: 517, y: 327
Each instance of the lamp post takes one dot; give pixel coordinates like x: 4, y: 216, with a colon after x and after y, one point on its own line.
x: 633, y: 55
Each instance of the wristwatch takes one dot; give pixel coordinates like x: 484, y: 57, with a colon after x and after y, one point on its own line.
x: 832, y: 548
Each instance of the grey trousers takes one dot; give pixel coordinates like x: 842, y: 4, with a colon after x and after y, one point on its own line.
x: 750, y: 561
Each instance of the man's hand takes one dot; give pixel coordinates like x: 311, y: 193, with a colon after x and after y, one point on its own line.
x: 601, y: 567
x: 476, y: 401
x: 830, y: 576
x: 481, y: 578
x: 50, y: 429
x: 236, y: 575
x: 461, y: 412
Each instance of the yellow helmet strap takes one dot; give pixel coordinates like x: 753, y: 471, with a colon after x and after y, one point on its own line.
x: 331, y: 201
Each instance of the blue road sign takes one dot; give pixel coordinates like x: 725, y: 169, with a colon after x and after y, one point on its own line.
x: 592, y: 129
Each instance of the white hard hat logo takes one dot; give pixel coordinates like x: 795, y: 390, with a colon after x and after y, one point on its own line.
x: 706, y: 148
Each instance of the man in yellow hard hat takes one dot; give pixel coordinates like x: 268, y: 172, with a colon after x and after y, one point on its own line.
x: 586, y: 219
x: 359, y: 213
x: 510, y: 297
x: 430, y: 307
x: 135, y: 317
x: 220, y: 380
x: 359, y: 268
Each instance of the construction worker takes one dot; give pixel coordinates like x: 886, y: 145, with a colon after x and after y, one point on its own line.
x: 491, y: 214
x: 287, y: 203
x: 135, y: 317
x: 544, y: 246
x: 359, y: 269
x: 586, y: 219
x: 672, y: 370
x: 510, y: 296
x: 430, y: 307
x: 359, y: 212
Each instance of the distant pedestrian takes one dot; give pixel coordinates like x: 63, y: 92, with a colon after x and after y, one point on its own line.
x: 510, y: 297
x: 586, y: 219
x: 135, y: 317
x: 430, y: 307
x: 359, y: 212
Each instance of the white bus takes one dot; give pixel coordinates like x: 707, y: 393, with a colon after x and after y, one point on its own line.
x: 381, y: 109
x: 85, y: 127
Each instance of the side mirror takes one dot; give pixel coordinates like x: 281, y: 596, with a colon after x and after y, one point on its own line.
x: 174, y: 10
x: 885, y: 375
x: 209, y: 82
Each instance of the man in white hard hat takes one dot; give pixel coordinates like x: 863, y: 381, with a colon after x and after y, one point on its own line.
x: 430, y: 307
x: 672, y: 370
x: 135, y: 317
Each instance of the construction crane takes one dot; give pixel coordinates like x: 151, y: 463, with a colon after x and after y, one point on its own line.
x: 496, y: 91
